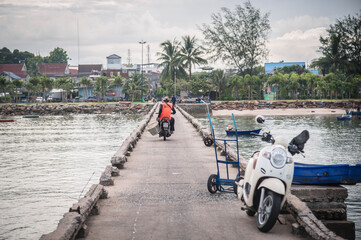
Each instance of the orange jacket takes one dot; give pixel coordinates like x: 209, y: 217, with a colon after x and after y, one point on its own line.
x: 166, y: 110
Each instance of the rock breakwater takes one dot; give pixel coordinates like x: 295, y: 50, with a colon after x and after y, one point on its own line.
x: 66, y: 109
x: 254, y: 105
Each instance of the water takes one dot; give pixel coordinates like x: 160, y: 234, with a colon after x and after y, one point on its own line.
x: 331, y: 142
x: 45, y: 164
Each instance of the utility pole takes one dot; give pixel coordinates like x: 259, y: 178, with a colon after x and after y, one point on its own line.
x: 141, y: 73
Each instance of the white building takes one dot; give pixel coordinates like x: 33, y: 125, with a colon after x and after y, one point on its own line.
x: 114, y: 62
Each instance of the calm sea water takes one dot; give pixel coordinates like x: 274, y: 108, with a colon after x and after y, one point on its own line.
x: 45, y: 164
x: 331, y: 142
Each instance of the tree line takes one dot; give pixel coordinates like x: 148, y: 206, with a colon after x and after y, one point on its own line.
x: 238, y: 38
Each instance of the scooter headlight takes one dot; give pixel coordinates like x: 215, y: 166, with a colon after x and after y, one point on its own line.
x: 278, y: 157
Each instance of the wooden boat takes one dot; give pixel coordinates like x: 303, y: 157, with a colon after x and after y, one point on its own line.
x: 31, y: 116
x: 7, y: 120
x: 315, y: 174
x: 232, y: 132
x: 344, y: 117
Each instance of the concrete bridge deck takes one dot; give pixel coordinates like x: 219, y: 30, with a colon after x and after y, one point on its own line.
x: 161, y: 194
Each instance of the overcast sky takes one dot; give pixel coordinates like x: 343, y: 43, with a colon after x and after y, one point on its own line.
x: 115, y: 26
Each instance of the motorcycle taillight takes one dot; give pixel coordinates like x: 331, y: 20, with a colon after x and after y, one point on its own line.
x: 165, y: 120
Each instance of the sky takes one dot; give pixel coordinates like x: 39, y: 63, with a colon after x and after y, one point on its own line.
x: 90, y: 30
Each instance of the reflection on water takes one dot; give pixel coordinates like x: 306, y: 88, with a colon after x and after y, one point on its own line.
x: 331, y: 142
x: 45, y: 164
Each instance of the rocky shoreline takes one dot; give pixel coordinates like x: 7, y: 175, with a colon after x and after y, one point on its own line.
x: 255, y: 105
x: 66, y: 109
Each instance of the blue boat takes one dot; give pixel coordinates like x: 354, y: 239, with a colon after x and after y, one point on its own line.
x: 344, y: 117
x: 232, y: 132
x: 315, y: 174
x: 355, y: 113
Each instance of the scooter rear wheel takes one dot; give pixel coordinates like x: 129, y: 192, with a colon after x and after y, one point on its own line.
x: 211, y: 184
x: 271, y: 206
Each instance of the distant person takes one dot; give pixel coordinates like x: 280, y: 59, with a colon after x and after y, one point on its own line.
x: 165, y: 110
x: 173, y: 100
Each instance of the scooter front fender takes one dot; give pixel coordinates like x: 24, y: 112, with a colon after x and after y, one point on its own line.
x: 274, y: 185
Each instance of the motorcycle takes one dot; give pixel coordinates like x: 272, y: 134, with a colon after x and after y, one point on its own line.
x: 164, y: 125
x: 268, y: 178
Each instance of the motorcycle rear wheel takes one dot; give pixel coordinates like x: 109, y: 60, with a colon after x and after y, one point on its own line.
x: 271, y: 206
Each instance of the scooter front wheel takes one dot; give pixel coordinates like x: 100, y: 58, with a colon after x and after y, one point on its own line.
x: 269, y: 210
x: 211, y: 183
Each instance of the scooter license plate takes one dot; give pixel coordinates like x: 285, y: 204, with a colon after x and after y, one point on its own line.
x: 165, y: 125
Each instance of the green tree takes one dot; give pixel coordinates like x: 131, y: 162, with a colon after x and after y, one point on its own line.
x: 199, y: 85
x: 4, y: 86
x: 58, y: 55
x: 341, y: 47
x: 294, y: 84
x: 32, y: 65
x: 15, y: 57
x: 191, y: 54
x: 238, y: 37
x: 101, y: 86
x: 171, y: 60
x: 66, y: 84
x: 33, y: 87
x: 219, y: 80
x: 46, y: 84
x: 86, y: 82
x: 132, y: 87
x: 18, y: 84
x: 236, y: 84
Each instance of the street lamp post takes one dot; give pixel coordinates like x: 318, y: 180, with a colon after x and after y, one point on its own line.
x: 141, y: 71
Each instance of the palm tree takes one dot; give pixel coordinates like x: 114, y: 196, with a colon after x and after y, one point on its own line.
x: 101, y: 86
x: 17, y: 84
x: 4, y: 84
x: 132, y: 86
x: 46, y: 84
x: 171, y: 61
x: 219, y: 80
x: 191, y: 54
x: 86, y: 83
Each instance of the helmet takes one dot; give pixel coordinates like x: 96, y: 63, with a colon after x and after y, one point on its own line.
x: 165, y: 99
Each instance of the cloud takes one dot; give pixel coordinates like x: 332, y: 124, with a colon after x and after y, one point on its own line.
x: 296, y: 45
x: 303, y: 23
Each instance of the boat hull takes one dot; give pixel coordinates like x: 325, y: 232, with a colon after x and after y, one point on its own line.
x: 7, y: 120
x: 314, y: 174
x: 256, y: 131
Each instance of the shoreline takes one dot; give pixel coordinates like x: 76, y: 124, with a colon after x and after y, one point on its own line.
x: 281, y: 112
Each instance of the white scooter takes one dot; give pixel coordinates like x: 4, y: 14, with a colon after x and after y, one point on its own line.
x: 268, y: 178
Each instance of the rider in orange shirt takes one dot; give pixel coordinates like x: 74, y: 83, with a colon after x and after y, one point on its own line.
x: 165, y: 110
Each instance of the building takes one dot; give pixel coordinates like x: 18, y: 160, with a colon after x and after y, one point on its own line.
x: 86, y: 70
x: 54, y: 70
x: 14, y: 71
x: 270, y: 68
x: 114, y: 62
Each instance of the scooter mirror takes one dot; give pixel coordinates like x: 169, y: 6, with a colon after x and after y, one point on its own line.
x: 260, y: 119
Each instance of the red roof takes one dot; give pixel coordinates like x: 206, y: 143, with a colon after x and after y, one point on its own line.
x: 89, y: 68
x: 52, y: 68
x: 73, y: 71
x: 17, y: 69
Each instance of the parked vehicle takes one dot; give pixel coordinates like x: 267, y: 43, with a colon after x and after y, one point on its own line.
x: 39, y: 99
x: 92, y: 99
x: 268, y: 178
x: 164, y: 128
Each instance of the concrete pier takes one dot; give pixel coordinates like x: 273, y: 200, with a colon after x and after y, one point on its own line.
x: 161, y: 193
